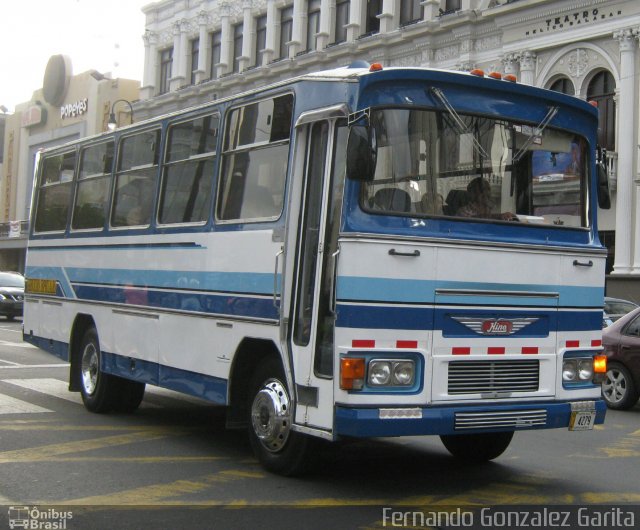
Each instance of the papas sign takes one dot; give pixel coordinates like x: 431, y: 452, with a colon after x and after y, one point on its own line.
x: 578, y: 18
x: 77, y: 108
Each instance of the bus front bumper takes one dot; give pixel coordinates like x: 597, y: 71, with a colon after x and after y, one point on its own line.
x: 437, y: 420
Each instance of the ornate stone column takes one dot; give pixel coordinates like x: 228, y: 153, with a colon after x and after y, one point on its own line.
x: 226, y: 37
x: 179, y: 66
x: 248, y: 36
x: 510, y: 63
x: 389, y: 18
x: 299, y: 31
x: 626, y: 150
x: 273, y: 26
x: 528, y: 67
x: 354, y: 27
x: 150, y: 65
x: 204, y: 50
x: 431, y: 9
x: 327, y: 17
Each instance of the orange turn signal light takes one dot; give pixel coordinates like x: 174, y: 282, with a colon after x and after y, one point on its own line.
x: 351, y: 373
x: 600, y: 364
x: 478, y: 72
x: 375, y: 67
x: 510, y: 77
x: 495, y: 75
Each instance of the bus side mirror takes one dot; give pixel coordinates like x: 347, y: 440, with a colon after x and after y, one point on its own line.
x: 604, y: 196
x: 362, y: 153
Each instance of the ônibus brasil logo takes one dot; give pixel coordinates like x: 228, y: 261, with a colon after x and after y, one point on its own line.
x: 34, y: 518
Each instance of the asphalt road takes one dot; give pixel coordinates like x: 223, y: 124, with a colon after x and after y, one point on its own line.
x: 173, y: 465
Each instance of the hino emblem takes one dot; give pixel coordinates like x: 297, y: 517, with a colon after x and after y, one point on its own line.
x: 495, y: 326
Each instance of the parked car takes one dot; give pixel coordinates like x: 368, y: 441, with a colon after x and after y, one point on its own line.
x: 621, y: 342
x: 614, y: 308
x: 11, y: 294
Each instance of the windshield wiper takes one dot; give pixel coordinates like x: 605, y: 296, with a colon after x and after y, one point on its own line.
x: 457, y: 120
x: 537, y: 133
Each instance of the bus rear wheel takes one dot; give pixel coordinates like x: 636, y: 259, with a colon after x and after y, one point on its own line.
x: 103, y: 392
x: 477, y: 448
x: 99, y: 390
x: 278, y: 448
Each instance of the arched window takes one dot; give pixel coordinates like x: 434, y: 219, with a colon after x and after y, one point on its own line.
x: 564, y: 86
x: 602, y: 90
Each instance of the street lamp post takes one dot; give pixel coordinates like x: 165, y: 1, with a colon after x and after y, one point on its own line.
x: 113, y: 123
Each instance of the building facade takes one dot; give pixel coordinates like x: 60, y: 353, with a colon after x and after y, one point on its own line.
x: 67, y: 107
x: 200, y: 50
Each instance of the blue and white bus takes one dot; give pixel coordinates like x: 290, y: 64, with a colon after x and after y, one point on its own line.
x: 359, y: 252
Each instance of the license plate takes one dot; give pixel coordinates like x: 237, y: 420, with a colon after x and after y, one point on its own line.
x: 582, y: 421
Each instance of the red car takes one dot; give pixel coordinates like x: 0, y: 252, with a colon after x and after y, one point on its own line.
x: 621, y: 341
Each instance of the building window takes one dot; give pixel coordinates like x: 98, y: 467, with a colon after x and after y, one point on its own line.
x: 372, y: 22
x: 451, y: 6
x: 564, y: 86
x: 216, y: 49
x: 602, y: 90
x: 237, y: 46
x: 195, y: 54
x: 166, y: 60
x: 313, y: 23
x: 261, y: 38
x: 286, y: 30
x: 410, y: 11
x: 342, y: 19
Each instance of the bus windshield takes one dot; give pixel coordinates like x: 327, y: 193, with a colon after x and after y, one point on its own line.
x: 434, y: 163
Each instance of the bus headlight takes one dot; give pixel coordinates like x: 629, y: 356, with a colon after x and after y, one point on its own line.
x: 385, y: 372
x: 585, y: 369
x: 569, y: 370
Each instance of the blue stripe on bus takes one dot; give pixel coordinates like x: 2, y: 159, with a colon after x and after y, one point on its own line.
x: 427, y: 318
x: 203, y: 386
x: 424, y: 291
x: 225, y: 304
x: 234, y: 282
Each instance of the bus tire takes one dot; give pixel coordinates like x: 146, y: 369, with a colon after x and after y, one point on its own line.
x: 99, y: 390
x: 477, y: 448
x: 278, y: 448
x: 130, y: 395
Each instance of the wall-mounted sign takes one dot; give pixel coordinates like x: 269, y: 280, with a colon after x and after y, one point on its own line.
x: 34, y: 115
x: 576, y: 19
x: 72, y: 110
x: 56, y: 79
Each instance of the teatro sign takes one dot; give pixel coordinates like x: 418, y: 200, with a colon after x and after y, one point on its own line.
x: 576, y: 19
x: 75, y: 109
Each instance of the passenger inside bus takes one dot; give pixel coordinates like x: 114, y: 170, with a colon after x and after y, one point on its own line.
x: 480, y: 204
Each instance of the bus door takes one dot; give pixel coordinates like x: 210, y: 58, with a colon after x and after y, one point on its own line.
x: 312, y: 318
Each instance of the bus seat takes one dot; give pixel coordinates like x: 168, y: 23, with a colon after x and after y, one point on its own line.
x: 392, y: 199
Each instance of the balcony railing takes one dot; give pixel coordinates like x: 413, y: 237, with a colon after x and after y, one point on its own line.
x: 14, y: 230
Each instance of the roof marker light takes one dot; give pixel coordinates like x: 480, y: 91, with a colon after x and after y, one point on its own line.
x: 593, y: 103
x: 510, y: 77
x: 495, y: 75
x: 375, y: 67
x: 478, y: 72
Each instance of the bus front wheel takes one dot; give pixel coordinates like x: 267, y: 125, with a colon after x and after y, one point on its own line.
x: 278, y: 448
x: 480, y: 447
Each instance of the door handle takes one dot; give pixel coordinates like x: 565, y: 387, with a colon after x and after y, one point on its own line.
x: 275, y: 279
x: 413, y: 254
x: 577, y: 263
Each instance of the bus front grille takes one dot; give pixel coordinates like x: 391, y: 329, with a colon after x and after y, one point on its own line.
x: 505, y: 419
x: 493, y: 377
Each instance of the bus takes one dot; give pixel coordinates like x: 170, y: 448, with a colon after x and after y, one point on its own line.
x: 359, y: 252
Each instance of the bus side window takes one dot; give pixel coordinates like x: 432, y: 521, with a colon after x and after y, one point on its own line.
x: 254, y: 161
x: 94, y: 179
x: 136, y: 179
x: 55, y: 192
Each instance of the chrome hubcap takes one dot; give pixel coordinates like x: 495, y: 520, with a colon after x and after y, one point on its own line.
x: 90, y: 365
x: 614, y: 387
x: 270, y: 415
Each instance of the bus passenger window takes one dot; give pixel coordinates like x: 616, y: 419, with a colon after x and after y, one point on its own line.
x: 255, y: 159
x: 188, y: 171
x: 136, y: 179
x: 54, y: 196
x: 94, y: 179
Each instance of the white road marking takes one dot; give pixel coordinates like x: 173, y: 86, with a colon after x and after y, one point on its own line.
x: 49, y: 386
x: 13, y: 344
x: 11, y: 405
x: 23, y: 366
